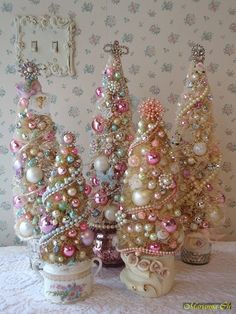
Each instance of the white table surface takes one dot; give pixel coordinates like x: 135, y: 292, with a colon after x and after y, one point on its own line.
x: 21, y: 288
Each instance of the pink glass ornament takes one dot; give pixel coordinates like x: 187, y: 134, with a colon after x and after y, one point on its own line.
x: 209, y: 187
x: 64, y: 150
x: 75, y: 151
x: 46, y: 224
x: 68, y: 138
x: 99, y: 91
x: 24, y: 102
x: 155, y: 247
x: 153, y: 158
x: 15, y: 146
x: 18, y: 201
x: 58, y: 197
x: 32, y: 125
x: 83, y: 226
x: 130, y: 138
x: 95, y: 181
x: 169, y: 225
x: 152, y: 217
x: 98, y: 124
x: 88, y: 237
x: 109, y: 72
x: 72, y: 233
x: 122, y: 106
x: 75, y: 202
x: 87, y: 189
x: 120, y: 167
x: 100, y: 198
x: 61, y: 170
x: 107, y: 151
x: 68, y: 250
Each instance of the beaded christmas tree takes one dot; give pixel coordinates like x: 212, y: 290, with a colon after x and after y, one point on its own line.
x: 34, y: 148
x: 67, y: 237
x: 199, y: 157
x: 112, y: 133
x: 148, y: 218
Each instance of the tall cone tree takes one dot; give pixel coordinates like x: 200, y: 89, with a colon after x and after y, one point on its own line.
x: 112, y: 132
x: 34, y: 148
x: 199, y: 157
x: 67, y: 237
x: 148, y: 219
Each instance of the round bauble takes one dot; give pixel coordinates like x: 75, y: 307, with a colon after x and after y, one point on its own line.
x: 26, y: 229
x: 34, y: 174
x: 46, y: 224
x: 88, y: 237
x: 141, y: 197
x: 98, y: 124
x: 101, y: 163
x: 68, y: 250
x: 110, y: 213
x: 199, y: 149
x: 169, y: 224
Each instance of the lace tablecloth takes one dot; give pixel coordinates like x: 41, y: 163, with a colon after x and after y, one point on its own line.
x: 21, y: 288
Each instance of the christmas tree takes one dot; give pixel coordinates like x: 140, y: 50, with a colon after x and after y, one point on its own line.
x: 34, y: 148
x: 112, y: 133
x: 199, y: 157
x: 67, y: 237
x: 148, y: 217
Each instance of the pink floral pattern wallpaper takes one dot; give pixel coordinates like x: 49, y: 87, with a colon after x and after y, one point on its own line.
x: 159, y: 34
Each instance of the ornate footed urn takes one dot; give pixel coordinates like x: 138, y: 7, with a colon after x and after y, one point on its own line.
x: 148, y: 276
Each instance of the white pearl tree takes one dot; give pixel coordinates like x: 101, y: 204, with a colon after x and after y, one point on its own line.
x: 201, y: 200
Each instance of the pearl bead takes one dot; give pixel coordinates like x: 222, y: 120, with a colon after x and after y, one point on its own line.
x: 110, y: 212
x: 141, y: 197
x: 162, y: 234
x: 101, y: 163
x: 151, y: 185
x: 153, y: 237
x: 200, y: 149
x: 72, y: 191
x: 26, y: 229
x: 138, y: 227
x: 34, y: 174
x: 147, y: 227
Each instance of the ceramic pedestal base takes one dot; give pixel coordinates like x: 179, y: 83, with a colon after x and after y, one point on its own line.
x: 148, y: 276
x: 105, y: 248
x: 69, y: 283
x: 196, y: 249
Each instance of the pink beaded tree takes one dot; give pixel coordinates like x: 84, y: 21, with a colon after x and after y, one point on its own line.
x: 148, y: 219
x: 111, y: 136
x: 67, y: 237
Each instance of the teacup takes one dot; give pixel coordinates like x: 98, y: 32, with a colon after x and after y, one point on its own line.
x: 69, y: 283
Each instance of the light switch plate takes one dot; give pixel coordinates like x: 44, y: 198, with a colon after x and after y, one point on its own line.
x: 47, y: 40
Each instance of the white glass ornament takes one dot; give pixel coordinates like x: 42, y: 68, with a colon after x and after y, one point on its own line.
x: 26, y: 229
x: 34, y: 174
x: 141, y: 197
x: 200, y: 149
x: 101, y: 163
x: 110, y: 212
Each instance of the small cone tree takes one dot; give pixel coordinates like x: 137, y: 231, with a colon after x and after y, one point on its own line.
x: 112, y: 132
x: 34, y: 149
x: 148, y: 219
x: 67, y: 237
x: 199, y: 157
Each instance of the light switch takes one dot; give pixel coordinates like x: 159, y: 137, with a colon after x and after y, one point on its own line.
x: 48, y: 40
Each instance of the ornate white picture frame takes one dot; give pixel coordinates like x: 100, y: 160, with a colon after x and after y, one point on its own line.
x: 48, y: 40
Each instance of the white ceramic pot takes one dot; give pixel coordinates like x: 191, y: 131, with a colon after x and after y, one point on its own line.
x: 69, y: 283
x: 148, y: 276
x: 196, y: 249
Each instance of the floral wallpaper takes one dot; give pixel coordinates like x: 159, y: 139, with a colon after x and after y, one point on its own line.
x: 159, y: 34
